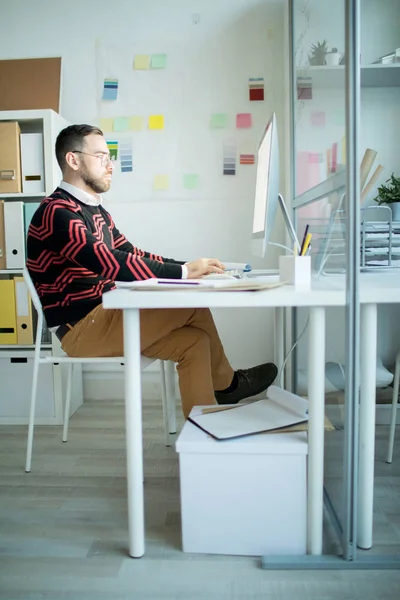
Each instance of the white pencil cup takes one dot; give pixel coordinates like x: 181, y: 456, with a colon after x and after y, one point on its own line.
x: 295, y: 270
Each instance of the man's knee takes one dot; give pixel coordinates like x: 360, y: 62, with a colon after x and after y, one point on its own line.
x: 193, y: 340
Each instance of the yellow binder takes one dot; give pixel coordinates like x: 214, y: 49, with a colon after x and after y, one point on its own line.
x: 23, y: 309
x: 8, y: 322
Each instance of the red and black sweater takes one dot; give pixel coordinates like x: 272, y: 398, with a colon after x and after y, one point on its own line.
x: 75, y: 254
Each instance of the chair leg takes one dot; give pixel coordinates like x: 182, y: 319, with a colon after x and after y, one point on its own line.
x: 32, y: 415
x: 395, y: 398
x: 164, y: 398
x: 67, y: 402
x: 171, y: 398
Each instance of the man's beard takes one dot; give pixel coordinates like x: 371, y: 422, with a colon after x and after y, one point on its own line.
x: 99, y: 186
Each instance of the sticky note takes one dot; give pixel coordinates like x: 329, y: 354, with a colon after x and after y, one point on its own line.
x: 125, y: 156
x: 190, y: 181
x: 219, y: 121
x: 136, y: 123
x: 121, y: 124
x: 246, y: 159
x: 113, y: 149
x: 158, y: 61
x: 110, y: 90
x: 229, y: 165
x: 243, y: 120
x: 106, y: 125
x: 141, y: 61
x: 161, y: 182
x: 156, y: 122
x: 256, y: 89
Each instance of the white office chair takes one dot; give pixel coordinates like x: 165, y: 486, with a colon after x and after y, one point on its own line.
x: 395, y: 398
x: 167, y: 379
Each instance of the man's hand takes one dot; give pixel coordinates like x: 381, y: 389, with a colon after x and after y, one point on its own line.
x: 203, y: 266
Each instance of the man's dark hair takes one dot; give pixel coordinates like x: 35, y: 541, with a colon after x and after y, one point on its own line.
x: 71, y: 138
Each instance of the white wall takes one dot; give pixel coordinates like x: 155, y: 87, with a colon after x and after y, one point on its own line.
x: 207, y: 71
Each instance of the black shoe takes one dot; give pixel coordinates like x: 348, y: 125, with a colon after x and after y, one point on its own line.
x: 251, y: 382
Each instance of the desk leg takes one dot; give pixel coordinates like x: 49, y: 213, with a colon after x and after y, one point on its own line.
x: 367, y: 425
x: 133, y: 424
x: 316, y: 396
x: 279, y: 342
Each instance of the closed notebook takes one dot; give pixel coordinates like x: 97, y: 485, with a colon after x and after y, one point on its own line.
x: 280, y: 410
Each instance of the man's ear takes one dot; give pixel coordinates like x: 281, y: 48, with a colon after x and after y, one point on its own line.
x: 72, y: 161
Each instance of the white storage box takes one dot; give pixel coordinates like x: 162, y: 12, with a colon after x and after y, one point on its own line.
x: 245, y: 496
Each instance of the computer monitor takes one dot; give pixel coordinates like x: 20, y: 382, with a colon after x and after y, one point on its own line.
x: 267, y: 194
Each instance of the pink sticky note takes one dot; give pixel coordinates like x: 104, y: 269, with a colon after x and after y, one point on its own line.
x: 243, y: 120
x: 317, y: 118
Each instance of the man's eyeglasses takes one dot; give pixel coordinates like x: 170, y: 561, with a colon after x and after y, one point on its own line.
x: 105, y: 158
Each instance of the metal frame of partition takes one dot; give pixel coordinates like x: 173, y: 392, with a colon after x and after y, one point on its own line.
x: 347, y: 530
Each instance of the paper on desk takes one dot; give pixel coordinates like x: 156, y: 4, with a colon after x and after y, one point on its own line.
x: 199, y: 285
x: 281, y: 409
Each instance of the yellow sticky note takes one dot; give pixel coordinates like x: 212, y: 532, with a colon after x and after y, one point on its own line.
x: 141, y: 61
x: 161, y: 182
x: 106, y: 125
x: 136, y: 123
x: 156, y: 122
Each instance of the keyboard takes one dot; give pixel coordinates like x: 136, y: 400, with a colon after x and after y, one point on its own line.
x: 219, y: 276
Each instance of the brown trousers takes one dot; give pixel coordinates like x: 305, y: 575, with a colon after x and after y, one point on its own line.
x: 186, y: 336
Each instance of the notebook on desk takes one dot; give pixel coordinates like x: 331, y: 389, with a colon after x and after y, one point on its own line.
x: 161, y: 285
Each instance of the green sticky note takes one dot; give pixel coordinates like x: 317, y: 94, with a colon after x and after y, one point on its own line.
x: 190, y: 181
x: 121, y: 123
x: 158, y: 61
x: 219, y: 121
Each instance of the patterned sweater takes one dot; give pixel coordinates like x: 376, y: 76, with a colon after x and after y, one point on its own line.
x: 75, y: 254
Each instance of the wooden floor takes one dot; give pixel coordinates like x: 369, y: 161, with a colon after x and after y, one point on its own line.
x: 64, y: 526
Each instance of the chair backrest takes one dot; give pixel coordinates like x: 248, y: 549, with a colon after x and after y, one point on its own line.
x: 32, y: 291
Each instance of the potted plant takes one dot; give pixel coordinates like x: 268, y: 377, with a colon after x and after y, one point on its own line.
x: 333, y: 58
x: 318, y: 52
x: 390, y: 194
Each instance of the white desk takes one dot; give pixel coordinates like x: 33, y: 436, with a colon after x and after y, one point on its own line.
x: 325, y: 292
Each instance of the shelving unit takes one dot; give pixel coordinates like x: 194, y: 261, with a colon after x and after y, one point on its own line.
x: 16, y: 361
x: 376, y: 75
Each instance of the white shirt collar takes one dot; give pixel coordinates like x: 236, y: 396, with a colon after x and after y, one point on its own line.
x: 81, y: 195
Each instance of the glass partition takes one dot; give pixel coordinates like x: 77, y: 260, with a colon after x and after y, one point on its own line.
x: 323, y: 108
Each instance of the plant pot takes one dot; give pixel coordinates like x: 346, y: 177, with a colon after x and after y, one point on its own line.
x: 395, y: 208
x: 332, y: 59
